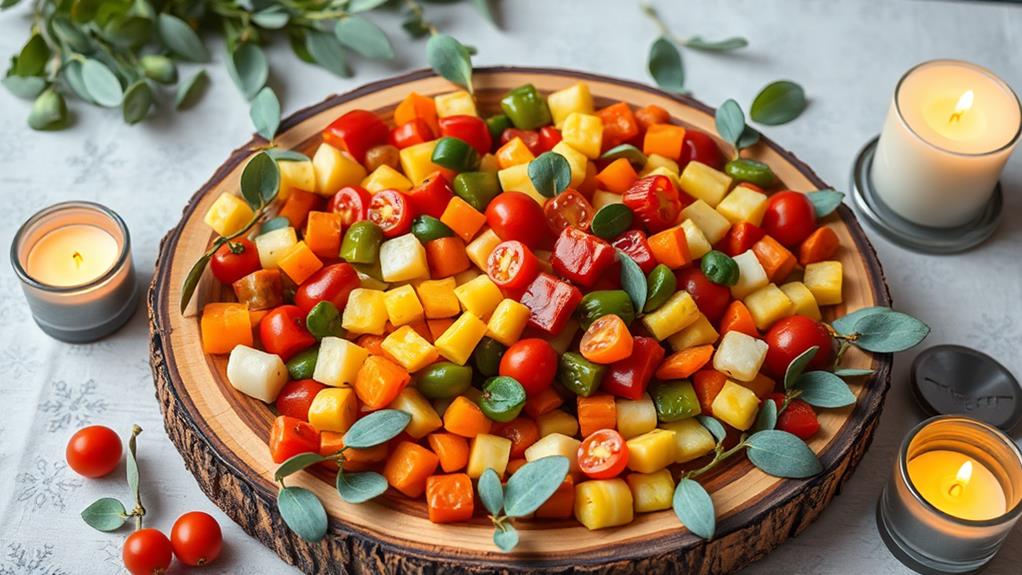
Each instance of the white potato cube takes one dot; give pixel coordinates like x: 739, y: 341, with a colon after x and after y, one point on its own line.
x: 338, y: 361
x: 402, y: 259
x: 739, y: 355
x: 273, y: 245
x: 698, y: 245
x: 556, y: 444
x: 256, y: 373
x: 704, y: 183
x: 635, y: 416
x: 691, y: 439
x: 751, y: 275
x: 713, y: 225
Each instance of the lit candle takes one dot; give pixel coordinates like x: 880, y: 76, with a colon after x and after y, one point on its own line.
x: 955, y: 484
x: 950, y: 129
x: 72, y: 255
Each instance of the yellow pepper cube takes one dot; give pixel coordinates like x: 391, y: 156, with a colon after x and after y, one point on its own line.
x: 225, y: 326
x: 458, y: 103
x: 651, y: 491
x: 366, y: 312
x: 574, y: 98
x: 735, y: 405
x: 481, y: 247
x: 691, y: 439
x: 767, y: 305
x: 700, y: 332
x: 713, y: 225
x: 823, y: 279
x: 740, y: 355
x: 402, y: 259
x: 743, y: 205
x: 228, y: 214
x: 557, y: 421
x: 507, y: 322
x: 338, y: 361
x: 299, y: 263
x: 480, y: 296
x: 698, y: 245
x: 489, y: 163
x: 704, y: 183
x: 602, y: 503
x: 488, y: 451
x: 403, y: 306
x: 460, y: 339
x: 556, y: 444
x: 334, y: 409
x: 516, y: 179
x: 513, y: 153
x: 677, y: 313
x: 656, y: 161
x: 651, y: 451
x: 576, y: 160
x: 438, y: 299
x: 335, y: 169
x: 425, y: 419
x: 409, y: 349
x: 583, y: 132
x: 802, y: 299
x: 273, y: 245
x: 751, y: 275
x: 295, y: 175
x: 604, y: 198
x: 386, y: 178
x: 417, y: 161
x: 635, y: 416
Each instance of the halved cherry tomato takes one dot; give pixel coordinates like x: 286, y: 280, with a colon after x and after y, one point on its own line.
x: 352, y: 202
x: 700, y: 147
x: 711, y: 298
x: 603, y: 454
x: 332, y: 283
x: 414, y: 132
x: 568, y: 209
x: 283, y: 331
x: 391, y: 210
x: 516, y: 216
x: 740, y: 238
x: 432, y: 195
x: 296, y: 396
x: 633, y: 243
x: 290, y: 436
x: 549, y: 137
x: 512, y: 266
x: 798, y: 419
x: 471, y: 129
x: 234, y: 260
x: 529, y: 137
x: 789, y: 218
x: 607, y: 340
x: 356, y: 132
x: 655, y: 201
x: 533, y: 362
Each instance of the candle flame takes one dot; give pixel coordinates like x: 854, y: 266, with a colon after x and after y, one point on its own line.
x: 77, y: 257
x: 963, y: 105
x: 961, y: 479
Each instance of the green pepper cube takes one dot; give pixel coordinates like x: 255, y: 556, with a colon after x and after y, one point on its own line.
x: 361, y: 243
x: 477, y: 188
x: 597, y: 304
x: 674, y: 400
x: 497, y: 124
x: 526, y: 108
x: 455, y: 154
x: 579, y: 375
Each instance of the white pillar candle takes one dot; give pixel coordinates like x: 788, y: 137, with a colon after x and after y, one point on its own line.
x: 948, y: 133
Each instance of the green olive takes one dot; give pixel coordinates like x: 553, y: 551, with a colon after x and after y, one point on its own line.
x: 662, y: 285
x: 487, y: 356
x: 719, y: 268
x: 745, y: 170
x: 303, y: 364
x: 443, y: 380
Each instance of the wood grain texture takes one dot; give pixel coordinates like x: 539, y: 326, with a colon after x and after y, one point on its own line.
x: 222, y: 435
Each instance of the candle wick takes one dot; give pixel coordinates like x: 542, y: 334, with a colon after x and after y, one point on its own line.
x: 955, y: 490
x: 77, y: 257
x: 955, y: 116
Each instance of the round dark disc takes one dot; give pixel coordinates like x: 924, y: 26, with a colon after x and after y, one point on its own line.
x: 957, y: 380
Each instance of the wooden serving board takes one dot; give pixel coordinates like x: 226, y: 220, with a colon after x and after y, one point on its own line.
x: 222, y: 434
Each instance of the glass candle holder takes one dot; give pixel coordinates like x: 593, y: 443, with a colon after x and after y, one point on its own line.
x: 74, y: 263
x: 955, y: 494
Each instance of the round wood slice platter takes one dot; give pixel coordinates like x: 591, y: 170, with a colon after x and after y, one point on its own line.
x: 222, y: 434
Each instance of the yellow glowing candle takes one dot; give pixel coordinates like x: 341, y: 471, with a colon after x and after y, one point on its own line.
x: 72, y: 255
x: 957, y: 485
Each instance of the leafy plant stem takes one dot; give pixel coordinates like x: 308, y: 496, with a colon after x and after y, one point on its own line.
x: 720, y: 454
x: 415, y: 10
x: 139, y: 511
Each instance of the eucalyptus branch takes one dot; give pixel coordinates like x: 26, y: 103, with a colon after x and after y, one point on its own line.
x: 719, y: 455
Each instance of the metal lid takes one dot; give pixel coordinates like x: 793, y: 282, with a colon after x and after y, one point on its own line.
x: 957, y: 380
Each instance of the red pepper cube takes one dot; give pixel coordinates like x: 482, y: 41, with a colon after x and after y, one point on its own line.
x: 290, y: 436
x: 581, y: 257
x: 416, y: 131
x: 629, y: 377
x: 634, y: 243
x: 471, y: 129
x: 356, y: 132
x: 655, y: 202
x: 432, y: 195
x: 551, y: 303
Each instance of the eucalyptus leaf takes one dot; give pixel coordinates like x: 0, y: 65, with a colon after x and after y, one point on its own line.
x: 360, y: 487
x: 106, y: 514
x: 31, y: 61
x: 629, y: 152
x: 550, y: 173
x: 611, y: 220
x: 491, y: 492
x: 356, y: 6
x: 24, y: 87
x: 5, y: 4
x: 713, y: 426
x: 71, y: 73
x: 533, y: 484
x: 297, y: 463
x: 137, y: 102
x: 70, y: 34
x: 853, y: 372
x: 274, y: 223
x: 798, y: 365
x: 782, y: 454
x: 159, y: 68
x: 693, y: 506
x: 128, y: 31
x: 750, y: 137
x: 195, y: 274
x: 249, y: 69
x: 889, y: 332
x: 265, y: 113
x: 845, y: 325
x: 505, y: 537
x: 825, y: 202
x: 101, y: 83
x: 730, y: 121
x: 260, y: 180
x: 271, y: 18
x: 84, y: 10
x: 450, y: 60
x: 131, y: 462
x: 180, y: 39
x: 287, y: 155
x: 363, y: 36
x: 376, y: 428
x: 725, y: 45
x: 633, y: 281
x: 188, y: 92
x: 328, y: 52
x: 778, y: 103
x: 824, y: 389
x: 665, y: 65
x: 766, y: 418
x: 303, y: 512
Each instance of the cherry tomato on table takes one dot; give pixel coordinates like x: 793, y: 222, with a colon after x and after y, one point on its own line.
x: 603, y: 454
x: 790, y: 337
x: 332, y: 283
x: 711, y: 298
x: 283, y: 331
x: 516, y: 216
x: 789, y: 218
x: 352, y: 202
x: 607, y: 340
x: 655, y: 202
x: 512, y: 266
x: 147, y: 552
x: 196, y: 538
x: 700, y: 147
x: 93, y: 451
x: 391, y: 210
x: 798, y: 419
x: 234, y: 260
x: 533, y: 362
x: 296, y: 397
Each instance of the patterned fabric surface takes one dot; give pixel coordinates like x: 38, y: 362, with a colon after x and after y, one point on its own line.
x: 848, y: 55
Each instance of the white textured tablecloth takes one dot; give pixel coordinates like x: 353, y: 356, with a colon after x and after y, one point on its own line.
x: 848, y: 55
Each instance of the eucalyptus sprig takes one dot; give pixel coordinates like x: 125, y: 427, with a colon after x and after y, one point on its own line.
x: 108, y: 513
x: 301, y: 509
x: 531, y: 486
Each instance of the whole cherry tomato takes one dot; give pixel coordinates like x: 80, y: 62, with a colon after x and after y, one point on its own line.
x: 196, y: 538
x: 432, y: 195
x: 603, y: 454
x: 516, y: 216
x: 700, y: 147
x: 655, y: 202
x: 790, y: 337
x: 283, y: 331
x: 234, y: 260
x: 533, y: 362
x: 332, y: 283
x: 93, y: 451
x: 391, y: 210
x: 740, y: 238
x: 471, y: 129
x: 549, y: 137
x: 789, y: 218
x: 417, y: 131
x: 798, y: 419
x: 512, y: 266
x: 147, y: 552
x: 529, y: 137
x: 711, y: 298
x: 356, y: 132
x: 352, y: 202
x: 296, y: 397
